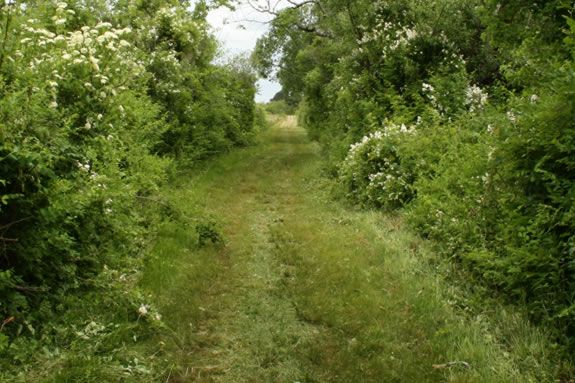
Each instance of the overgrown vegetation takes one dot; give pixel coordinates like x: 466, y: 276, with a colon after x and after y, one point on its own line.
x: 307, y: 289
x: 460, y: 113
x: 457, y: 114
x: 100, y: 102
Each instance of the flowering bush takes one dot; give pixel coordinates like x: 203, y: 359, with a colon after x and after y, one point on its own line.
x: 373, y: 173
x: 97, y: 100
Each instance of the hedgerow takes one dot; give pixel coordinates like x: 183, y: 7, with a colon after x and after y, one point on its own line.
x: 487, y: 89
x: 99, y: 101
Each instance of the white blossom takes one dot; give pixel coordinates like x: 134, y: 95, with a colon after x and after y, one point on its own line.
x: 143, y: 310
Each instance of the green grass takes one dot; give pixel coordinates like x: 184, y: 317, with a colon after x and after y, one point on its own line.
x: 302, y: 289
x: 308, y: 290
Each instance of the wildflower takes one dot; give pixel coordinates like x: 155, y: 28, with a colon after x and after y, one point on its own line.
x: 46, y: 33
x: 143, y: 310
x: 76, y: 38
x: 103, y: 25
x: 83, y: 167
x: 124, y: 31
x: 475, y: 97
x: 66, y: 56
x: 110, y: 35
x: 427, y: 87
x: 94, y: 63
x: 53, y: 105
x: 534, y: 98
x: 410, y: 34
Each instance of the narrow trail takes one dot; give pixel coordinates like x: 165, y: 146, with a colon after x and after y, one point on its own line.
x: 307, y: 290
x: 256, y: 332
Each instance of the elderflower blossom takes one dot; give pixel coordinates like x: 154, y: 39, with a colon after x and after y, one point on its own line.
x: 427, y: 87
x: 83, y: 167
x: 103, y: 25
x: 143, y: 310
x: 475, y: 98
x: 94, y: 62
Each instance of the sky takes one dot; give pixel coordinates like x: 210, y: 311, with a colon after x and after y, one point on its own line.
x: 239, y: 36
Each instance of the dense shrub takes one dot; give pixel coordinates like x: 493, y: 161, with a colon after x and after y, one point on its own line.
x: 373, y: 171
x: 97, y: 101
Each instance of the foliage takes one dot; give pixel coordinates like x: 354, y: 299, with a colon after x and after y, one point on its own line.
x: 279, y: 107
x: 489, y: 87
x: 373, y: 172
x: 99, y: 100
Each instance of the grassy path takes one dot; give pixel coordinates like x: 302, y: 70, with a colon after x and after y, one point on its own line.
x: 305, y: 290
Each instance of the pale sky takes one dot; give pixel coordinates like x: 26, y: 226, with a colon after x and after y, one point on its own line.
x: 237, y: 36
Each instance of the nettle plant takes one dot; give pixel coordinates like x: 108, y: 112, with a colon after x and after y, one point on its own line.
x: 373, y: 173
